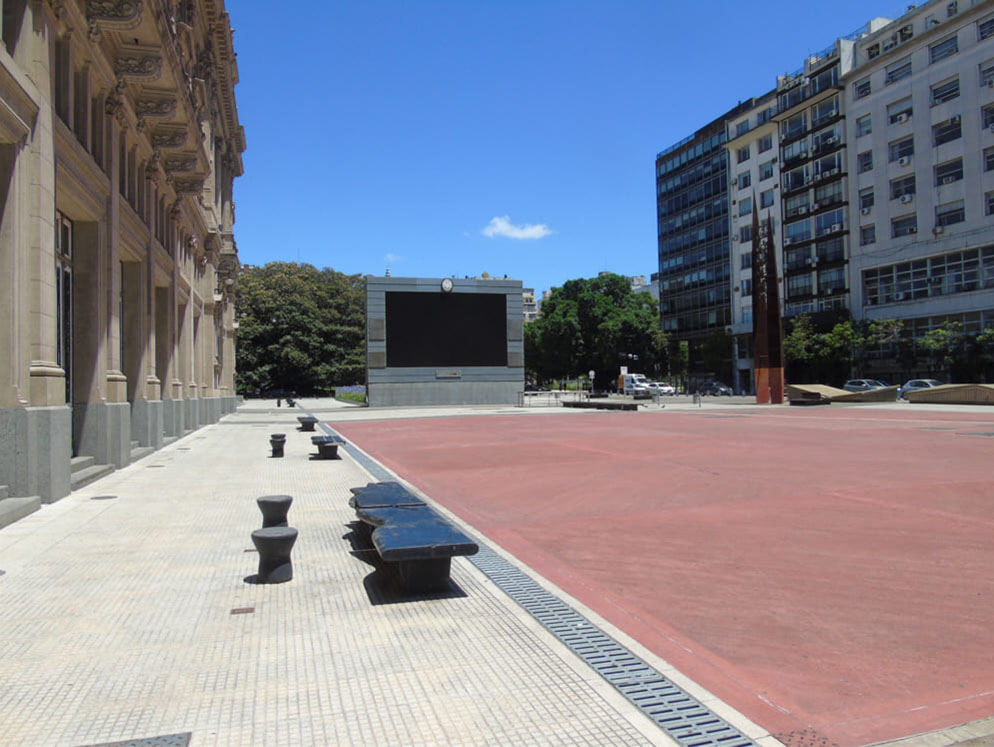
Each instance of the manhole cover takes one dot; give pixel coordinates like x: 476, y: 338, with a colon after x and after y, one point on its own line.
x: 805, y: 738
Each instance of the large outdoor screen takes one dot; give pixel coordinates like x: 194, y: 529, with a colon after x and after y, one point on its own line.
x: 446, y: 329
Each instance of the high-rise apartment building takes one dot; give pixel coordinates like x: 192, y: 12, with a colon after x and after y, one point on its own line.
x: 920, y: 117
x: 875, y: 162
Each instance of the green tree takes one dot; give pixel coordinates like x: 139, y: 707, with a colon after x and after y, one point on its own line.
x: 588, y: 324
x: 942, y: 343
x: 300, y: 328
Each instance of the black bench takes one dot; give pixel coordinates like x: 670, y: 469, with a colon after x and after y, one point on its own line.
x: 410, y: 536
x: 307, y: 422
x: 327, y: 445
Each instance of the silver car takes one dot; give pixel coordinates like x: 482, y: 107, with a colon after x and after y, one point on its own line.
x: 915, y: 384
x: 863, y: 385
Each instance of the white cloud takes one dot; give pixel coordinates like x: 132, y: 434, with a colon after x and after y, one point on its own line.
x: 391, y: 258
x: 502, y: 226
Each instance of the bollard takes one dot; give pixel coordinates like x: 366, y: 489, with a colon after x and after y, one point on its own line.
x: 277, y: 441
x: 274, y: 545
x: 274, y: 509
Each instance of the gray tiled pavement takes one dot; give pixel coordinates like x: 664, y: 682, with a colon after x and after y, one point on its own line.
x: 117, y: 620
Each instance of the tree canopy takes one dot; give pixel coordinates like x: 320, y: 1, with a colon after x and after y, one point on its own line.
x: 300, y: 328
x: 595, y: 324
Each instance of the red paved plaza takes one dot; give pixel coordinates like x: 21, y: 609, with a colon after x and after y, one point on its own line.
x: 828, y: 569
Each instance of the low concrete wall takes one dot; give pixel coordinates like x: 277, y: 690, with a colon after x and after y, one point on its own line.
x: 954, y: 394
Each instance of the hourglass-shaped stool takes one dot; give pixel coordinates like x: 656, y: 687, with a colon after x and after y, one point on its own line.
x: 274, y: 545
x: 274, y: 509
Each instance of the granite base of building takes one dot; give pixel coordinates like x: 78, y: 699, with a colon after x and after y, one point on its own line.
x: 444, y: 393
x: 35, y: 449
x: 103, y: 431
x: 146, y: 422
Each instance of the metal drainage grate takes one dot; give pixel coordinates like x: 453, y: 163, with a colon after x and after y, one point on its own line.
x: 103, y: 497
x: 668, y: 705
x: 243, y: 610
x: 165, y: 740
x: 678, y: 713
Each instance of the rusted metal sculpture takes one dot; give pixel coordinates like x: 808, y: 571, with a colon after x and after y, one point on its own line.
x: 767, y: 325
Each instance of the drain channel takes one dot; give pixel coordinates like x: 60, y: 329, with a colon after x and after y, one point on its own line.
x: 679, y: 714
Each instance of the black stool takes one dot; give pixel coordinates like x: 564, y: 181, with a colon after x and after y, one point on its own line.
x: 274, y: 545
x: 307, y: 423
x: 277, y: 441
x: 274, y: 509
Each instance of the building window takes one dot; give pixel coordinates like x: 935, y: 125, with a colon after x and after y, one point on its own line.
x: 764, y: 143
x: 864, y: 161
x: 906, y: 225
x: 744, y: 180
x: 867, y: 235
x: 903, y: 148
x: 866, y: 198
x: 742, y: 128
x: 799, y: 231
x: 900, y: 111
x: 987, y: 73
x: 989, y: 159
x: 949, y: 172
x: 829, y: 222
x: 989, y: 203
x: 765, y: 171
x: 745, y: 206
x: 766, y: 198
x: 742, y: 154
x: 946, y: 91
x: 862, y: 89
x: 799, y: 285
x: 947, y: 131
x: 987, y: 118
x: 950, y: 213
x: 942, y: 50
x: 985, y: 28
x: 901, y: 187
x: 952, y: 9
x: 831, y: 281
x: 864, y: 126
x: 898, y: 71
x: 745, y: 234
x: 746, y: 288
x: 745, y: 260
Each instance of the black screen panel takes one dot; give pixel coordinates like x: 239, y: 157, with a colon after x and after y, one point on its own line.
x: 446, y: 329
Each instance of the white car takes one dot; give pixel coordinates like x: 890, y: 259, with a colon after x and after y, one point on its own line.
x: 662, y: 387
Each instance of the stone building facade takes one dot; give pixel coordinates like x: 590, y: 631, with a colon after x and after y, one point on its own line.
x: 119, y: 144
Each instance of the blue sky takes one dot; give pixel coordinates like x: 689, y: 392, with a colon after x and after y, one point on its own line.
x: 514, y: 137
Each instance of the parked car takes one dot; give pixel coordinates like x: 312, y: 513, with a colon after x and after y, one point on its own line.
x: 862, y: 385
x: 916, y: 384
x: 529, y: 387
x: 715, y: 388
x: 662, y: 387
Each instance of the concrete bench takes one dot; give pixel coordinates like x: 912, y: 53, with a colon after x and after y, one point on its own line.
x: 307, y: 422
x: 410, y: 536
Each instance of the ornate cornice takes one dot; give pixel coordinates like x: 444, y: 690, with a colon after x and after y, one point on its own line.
x: 119, y: 15
x: 142, y: 65
x: 188, y: 186
x: 169, y: 138
x: 180, y: 163
x: 158, y: 107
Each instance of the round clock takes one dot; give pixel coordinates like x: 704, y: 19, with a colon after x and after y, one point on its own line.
x: 447, y: 285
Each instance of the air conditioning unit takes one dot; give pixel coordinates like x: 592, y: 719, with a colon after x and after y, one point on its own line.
x: 864, y: 211
x: 735, y: 238
x: 836, y: 226
x: 991, y: 128
x: 955, y: 119
x: 833, y: 172
x: 736, y: 289
x: 802, y: 210
x: 831, y: 113
x: 913, y: 229
x: 899, y: 296
x: 937, y: 230
x: 935, y: 281
x: 990, y: 83
x: 810, y: 260
x: 901, y: 118
x: 948, y: 179
x: 907, y: 198
x: 788, y: 241
x: 903, y: 161
x: 814, y: 205
x: 831, y: 140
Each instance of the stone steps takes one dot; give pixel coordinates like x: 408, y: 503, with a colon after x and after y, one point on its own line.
x: 4, y: 492
x: 12, y: 509
x: 84, y: 471
x: 139, y: 452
